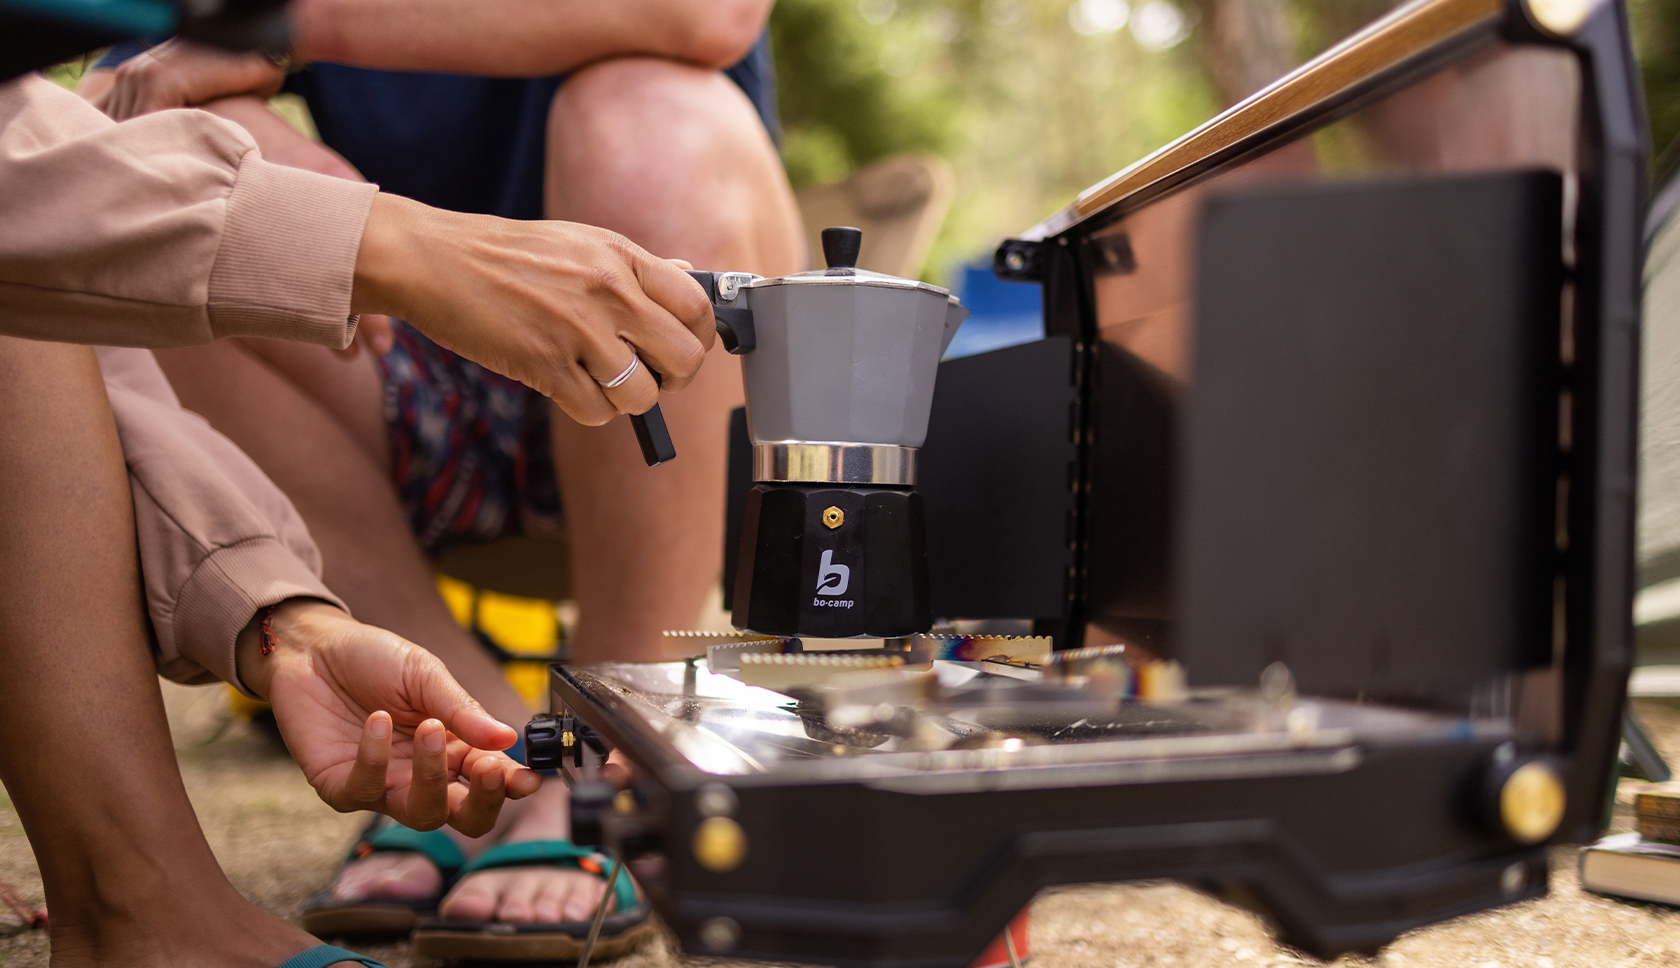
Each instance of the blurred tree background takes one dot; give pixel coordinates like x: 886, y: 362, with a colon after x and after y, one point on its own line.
x: 1656, y: 37
x: 1033, y: 100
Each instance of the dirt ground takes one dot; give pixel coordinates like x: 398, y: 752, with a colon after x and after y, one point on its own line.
x: 279, y: 844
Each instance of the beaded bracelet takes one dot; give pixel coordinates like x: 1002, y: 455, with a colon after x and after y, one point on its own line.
x: 265, y: 641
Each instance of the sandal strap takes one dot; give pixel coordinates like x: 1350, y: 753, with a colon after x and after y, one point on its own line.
x: 323, y: 955
x: 434, y: 845
x: 562, y: 853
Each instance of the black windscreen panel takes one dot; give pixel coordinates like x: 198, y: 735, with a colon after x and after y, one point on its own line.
x: 1370, y: 451
x: 994, y: 481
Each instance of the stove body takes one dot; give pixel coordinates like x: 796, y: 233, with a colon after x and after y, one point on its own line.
x: 1343, y: 383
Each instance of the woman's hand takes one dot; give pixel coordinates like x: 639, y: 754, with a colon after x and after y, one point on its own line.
x: 559, y: 306
x: 377, y: 723
x: 181, y: 74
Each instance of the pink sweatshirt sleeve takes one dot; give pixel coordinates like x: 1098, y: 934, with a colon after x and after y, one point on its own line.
x: 166, y: 230
x: 218, y: 540
x: 171, y: 230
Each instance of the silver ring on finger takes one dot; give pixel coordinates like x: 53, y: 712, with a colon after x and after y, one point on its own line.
x: 616, y: 381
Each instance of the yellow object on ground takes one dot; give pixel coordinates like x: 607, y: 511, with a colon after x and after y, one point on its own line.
x: 244, y: 706
x: 521, y: 626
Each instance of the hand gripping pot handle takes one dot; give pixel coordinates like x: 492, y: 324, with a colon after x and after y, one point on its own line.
x: 735, y: 328
x: 734, y: 325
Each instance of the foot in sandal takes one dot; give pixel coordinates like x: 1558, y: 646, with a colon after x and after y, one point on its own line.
x: 531, y: 878
x: 542, y: 887
x: 531, y: 892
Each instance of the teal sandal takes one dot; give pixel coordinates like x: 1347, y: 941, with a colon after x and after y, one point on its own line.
x: 626, y: 927
x: 323, y: 955
x: 326, y: 916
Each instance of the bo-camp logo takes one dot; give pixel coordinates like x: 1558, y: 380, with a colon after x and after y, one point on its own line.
x: 832, y: 581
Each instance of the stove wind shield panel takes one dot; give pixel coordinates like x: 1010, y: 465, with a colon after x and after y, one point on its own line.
x: 1372, y: 448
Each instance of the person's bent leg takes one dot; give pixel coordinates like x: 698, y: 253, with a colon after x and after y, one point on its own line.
x: 313, y: 421
x: 675, y: 158
x: 319, y: 433
x: 85, y: 753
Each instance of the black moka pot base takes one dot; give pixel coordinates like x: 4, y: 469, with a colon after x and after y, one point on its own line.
x: 832, y: 562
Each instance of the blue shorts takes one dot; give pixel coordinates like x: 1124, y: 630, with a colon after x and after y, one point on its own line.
x: 469, y: 144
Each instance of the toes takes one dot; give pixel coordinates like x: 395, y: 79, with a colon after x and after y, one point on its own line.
x: 474, y: 899
x: 410, y: 879
x: 583, y: 895
x: 397, y: 874
x: 549, y: 906
x: 519, y: 895
x: 524, y: 895
x: 564, y: 897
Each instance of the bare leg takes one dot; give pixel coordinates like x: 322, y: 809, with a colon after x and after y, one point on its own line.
x: 86, y: 755
x: 319, y: 433
x: 675, y: 158
x: 314, y: 422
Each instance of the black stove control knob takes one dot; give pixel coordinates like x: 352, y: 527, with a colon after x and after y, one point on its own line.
x: 545, y: 742
x: 553, y: 742
x: 841, y: 246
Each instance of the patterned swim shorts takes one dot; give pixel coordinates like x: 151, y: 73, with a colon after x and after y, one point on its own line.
x: 470, y: 449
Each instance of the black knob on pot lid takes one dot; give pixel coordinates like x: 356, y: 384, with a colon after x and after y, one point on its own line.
x: 841, y: 245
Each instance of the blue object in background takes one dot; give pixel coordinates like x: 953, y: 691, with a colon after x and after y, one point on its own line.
x: 151, y: 18
x: 1000, y: 313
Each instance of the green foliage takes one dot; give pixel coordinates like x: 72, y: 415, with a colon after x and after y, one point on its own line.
x: 1028, y: 110
x: 1656, y: 33
x: 840, y: 108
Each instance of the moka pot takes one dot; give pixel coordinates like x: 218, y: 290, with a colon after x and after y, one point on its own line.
x: 839, y: 365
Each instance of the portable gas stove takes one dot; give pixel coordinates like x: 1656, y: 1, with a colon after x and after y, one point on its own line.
x: 1317, y: 493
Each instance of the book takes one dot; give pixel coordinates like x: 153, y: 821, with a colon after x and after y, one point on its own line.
x: 1663, y: 804
x: 1658, y: 812
x: 1662, y: 831
x: 1627, y: 865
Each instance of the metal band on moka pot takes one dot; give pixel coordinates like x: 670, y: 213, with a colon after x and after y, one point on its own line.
x: 805, y: 462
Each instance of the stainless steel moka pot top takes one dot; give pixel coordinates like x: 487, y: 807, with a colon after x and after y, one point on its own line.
x: 839, y: 366
x: 840, y: 383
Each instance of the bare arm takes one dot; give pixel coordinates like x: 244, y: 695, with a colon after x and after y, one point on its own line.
x: 511, y: 38
x: 523, y: 38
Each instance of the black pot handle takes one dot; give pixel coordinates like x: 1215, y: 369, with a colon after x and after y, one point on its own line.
x: 735, y: 328
x: 652, y: 434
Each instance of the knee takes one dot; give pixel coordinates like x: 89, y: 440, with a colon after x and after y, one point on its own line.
x: 637, y: 123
